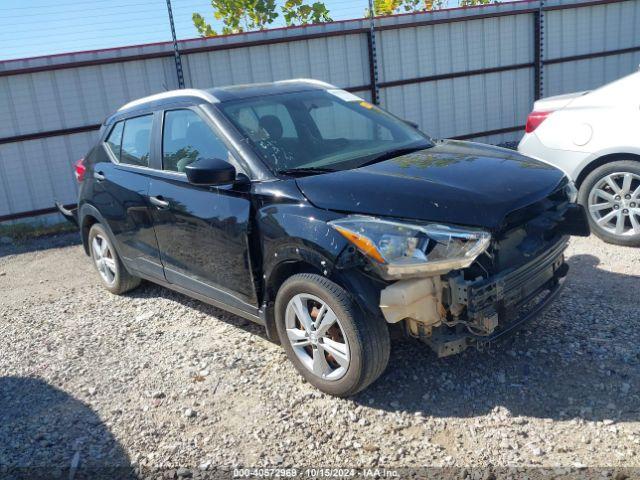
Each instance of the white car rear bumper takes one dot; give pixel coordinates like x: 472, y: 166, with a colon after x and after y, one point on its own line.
x: 568, y: 161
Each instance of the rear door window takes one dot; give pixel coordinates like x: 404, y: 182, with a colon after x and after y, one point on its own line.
x: 114, y: 140
x: 136, y: 141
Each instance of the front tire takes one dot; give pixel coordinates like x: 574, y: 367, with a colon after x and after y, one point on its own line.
x: 611, y: 196
x: 326, y: 336
x: 113, y: 274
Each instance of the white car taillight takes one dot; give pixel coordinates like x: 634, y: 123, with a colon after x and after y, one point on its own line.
x: 535, y: 119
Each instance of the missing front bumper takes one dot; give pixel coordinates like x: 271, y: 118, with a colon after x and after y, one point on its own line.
x: 501, y: 304
x: 445, y: 341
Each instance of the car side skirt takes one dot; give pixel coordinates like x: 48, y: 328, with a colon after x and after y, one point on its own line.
x: 250, y: 313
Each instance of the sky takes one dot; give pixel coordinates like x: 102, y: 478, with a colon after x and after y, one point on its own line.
x: 30, y: 28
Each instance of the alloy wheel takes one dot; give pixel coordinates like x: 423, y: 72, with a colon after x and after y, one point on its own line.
x: 317, y: 337
x: 614, y: 203
x: 104, y: 259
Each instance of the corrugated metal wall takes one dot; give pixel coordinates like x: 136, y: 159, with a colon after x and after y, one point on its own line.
x: 458, y: 73
x: 340, y: 60
x: 466, y: 104
x: 583, y: 31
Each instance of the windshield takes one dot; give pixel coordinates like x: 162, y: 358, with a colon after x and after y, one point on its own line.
x: 320, y: 130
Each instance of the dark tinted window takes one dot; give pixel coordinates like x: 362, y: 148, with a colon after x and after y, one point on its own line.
x: 186, y: 138
x: 115, y: 139
x: 136, y: 141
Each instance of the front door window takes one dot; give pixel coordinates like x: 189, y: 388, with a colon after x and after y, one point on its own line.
x: 186, y: 138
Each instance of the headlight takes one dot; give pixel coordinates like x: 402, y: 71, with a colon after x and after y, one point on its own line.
x: 571, y: 191
x: 401, y: 250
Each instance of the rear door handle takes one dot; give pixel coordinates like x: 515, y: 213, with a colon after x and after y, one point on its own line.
x: 98, y: 176
x: 159, y: 202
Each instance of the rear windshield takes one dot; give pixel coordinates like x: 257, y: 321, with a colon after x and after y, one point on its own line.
x: 319, y: 129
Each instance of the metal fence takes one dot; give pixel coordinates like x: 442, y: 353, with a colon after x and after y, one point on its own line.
x: 470, y: 73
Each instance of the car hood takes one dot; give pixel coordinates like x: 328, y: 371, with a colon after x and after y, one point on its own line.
x: 454, y: 182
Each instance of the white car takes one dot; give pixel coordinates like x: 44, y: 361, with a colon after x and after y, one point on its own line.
x: 594, y: 137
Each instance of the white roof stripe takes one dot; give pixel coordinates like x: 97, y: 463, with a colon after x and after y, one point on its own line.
x: 206, y: 96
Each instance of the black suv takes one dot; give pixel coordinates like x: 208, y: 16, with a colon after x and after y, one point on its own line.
x: 324, y: 218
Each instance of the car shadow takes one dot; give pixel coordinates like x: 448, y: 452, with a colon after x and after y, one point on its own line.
x: 579, y: 360
x: 42, y: 243
x: 47, y: 433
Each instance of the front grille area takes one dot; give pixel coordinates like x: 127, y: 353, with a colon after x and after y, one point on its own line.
x: 510, y: 284
x: 513, y: 286
x: 497, y: 303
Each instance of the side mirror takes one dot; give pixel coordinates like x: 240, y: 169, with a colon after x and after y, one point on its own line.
x: 211, y: 172
x: 413, y: 124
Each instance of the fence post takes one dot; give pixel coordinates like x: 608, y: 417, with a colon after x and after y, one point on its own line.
x: 176, y: 53
x: 538, y: 46
x: 373, y: 57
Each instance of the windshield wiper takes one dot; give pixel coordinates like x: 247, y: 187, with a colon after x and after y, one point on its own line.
x: 304, y: 171
x: 389, y: 154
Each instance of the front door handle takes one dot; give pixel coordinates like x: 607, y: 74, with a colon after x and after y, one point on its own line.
x: 159, y: 202
x: 98, y: 176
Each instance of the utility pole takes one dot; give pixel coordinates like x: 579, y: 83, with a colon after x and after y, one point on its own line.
x: 176, y: 53
x: 373, y: 57
x: 539, y: 51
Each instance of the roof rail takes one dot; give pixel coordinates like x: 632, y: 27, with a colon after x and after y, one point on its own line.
x: 311, y: 81
x: 185, y: 92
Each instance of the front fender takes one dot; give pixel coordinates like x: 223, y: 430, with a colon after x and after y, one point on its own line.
x: 299, y: 236
x: 299, y: 233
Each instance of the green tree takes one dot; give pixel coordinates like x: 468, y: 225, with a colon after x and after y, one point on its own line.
x: 246, y: 15
x: 237, y: 16
x: 471, y: 3
x: 296, y: 12
x: 390, y: 7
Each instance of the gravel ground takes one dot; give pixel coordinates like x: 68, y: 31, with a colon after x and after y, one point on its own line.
x: 163, y: 383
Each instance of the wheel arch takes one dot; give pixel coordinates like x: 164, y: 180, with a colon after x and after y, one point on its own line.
x: 88, y: 221
x: 88, y: 216
x: 603, y: 160
x: 276, y: 276
x: 364, y: 289
x: 284, y: 270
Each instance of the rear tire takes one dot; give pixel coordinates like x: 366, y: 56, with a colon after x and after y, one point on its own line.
x: 352, y: 353
x: 613, y: 206
x: 113, y: 274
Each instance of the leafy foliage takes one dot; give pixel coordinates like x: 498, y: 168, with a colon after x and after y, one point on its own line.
x: 390, y: 7
x: 471, y: 3
x: 237, y: 16
x: 204, y: 29
x: 246, y: 15
x: 296, y: 12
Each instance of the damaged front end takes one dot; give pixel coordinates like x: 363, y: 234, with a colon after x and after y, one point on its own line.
x: 514, y: 276
x: 450, y: 313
